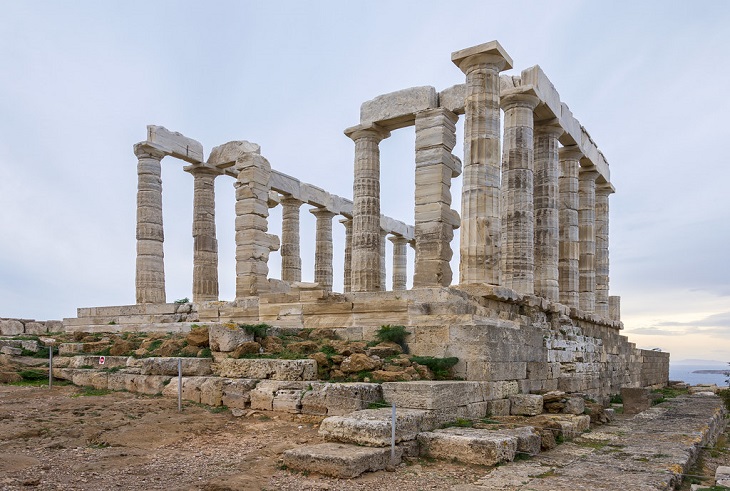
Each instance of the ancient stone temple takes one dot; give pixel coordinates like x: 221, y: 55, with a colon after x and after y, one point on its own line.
x: 531, y: 305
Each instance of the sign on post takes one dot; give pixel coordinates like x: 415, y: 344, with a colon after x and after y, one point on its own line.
x: 102, y: 360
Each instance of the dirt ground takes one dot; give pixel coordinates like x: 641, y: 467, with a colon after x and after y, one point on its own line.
x: 63, y: 440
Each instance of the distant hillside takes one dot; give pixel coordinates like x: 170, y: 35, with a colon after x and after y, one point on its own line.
x: 695, y: 361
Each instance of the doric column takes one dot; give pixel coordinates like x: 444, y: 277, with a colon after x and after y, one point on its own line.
x: 253, y: 244
x: 518, y: 220
x: 587, y: 235
x: 569, y: 237
x: 480, y: 213
x: 347, y: 280
x: 614, y: 307
x: 545, y: 199
x: 602, y: 263
x: 291, y: 261
x: 205, y: 244
x: 323, y: 248
x: 366, y: 207
x: 150, y: 272
x: 400, y: 262
x: 383, y: 236
x: 434, y: 219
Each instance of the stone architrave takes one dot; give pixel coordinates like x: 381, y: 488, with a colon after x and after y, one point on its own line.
x: 205, y: 243
x: 587, y: 235
x: 480, y: 199
x: 383, y: 236
x: 323, y: 248
x: 347, y: 274
x: 253, y: 244
x: 545, y: 199
x: 400, y: 262
x: 601, y: 258
x: 291, y: 261
x: 150, y: 269
x: 518, y: 221
x: 434, y: 219
x: 569, y: 238
x: 366, y: 207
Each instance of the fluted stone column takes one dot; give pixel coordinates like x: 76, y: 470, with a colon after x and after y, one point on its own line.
x: 253, y: 244
x: 150, y: 268
x: 614, y: 307
x: 366, y: 249
x: 205, y: 244
x: 480, y: 199
x: 323, y: 248
x: 400, y: 262
x: 545, y: 199
x: 569, y: 238
x: 383, y: 236
x: 602, y: 262
x: 434, y: 219
x: 518, y: 220
x: 291, y: 260
x: 347, y: 279
x: 587, y: 234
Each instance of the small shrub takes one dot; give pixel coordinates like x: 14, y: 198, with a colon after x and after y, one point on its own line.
x: 182, y: 301
x: 328, y: 350
x: 32, y: 374
x: 154, y: 345
x: 205, y: 353
x: 725, y: 395
x: 393, y: 334
x: 258, y: 330
x: 617, y: 399
x: 458, y: 423
x: 441, y: 367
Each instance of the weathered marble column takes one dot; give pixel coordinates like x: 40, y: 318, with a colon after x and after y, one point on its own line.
x: 383, y: 236
x: 253, y: 244
x: 614, y: 307
x: 480, y: 207
x: 366, y: 207
x: 205, y: 244
x: 347, y: 279
x: 518, y: 220
x: 400, y: 262
x: 434, y: 219
x: 587, y: 234
x: 602, y: 262
x: 291, y: 260
x: 547, y: 172
x: 150, y: 271
x: 569, y: 237
x: 323, y: 248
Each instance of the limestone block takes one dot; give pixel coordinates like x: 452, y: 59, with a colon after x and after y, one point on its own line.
x: 528, y: 439
x: 288, y: 400
x: 236, y: 393
x: 468, y: 445
x: 286, y: 185
x: 268, y: 369
x: 359, y: 362
x: 11, y: 327
x: 262, y: 396
x: 341, y: 399
x: 168, y: 366
x: 227, y: 338
x: 498, y: 407
x: 430, y: 394
x: 211, y: 391
x: 526, y: 404
x: 226, y: 155
x: 90, y: 378
x: 11, y: 351
x: 574, y: 405
x: 93, y: 362
x: 175, y: 144
x: 722, y: 476
x: 398, y: 109
x: 372, y: 427
x: 54, y: 326
x: 453, y: 98
x: 339, y: 460
x: 481, y: 370
x: 70, y: 348
x: 635, y: 400
x: 35, y: 328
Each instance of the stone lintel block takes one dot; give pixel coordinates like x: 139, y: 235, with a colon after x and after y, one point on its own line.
x: 398, y: 109
x: 572, y: 133
x: 397, y: 227
x: 339, y: 460
x: 168, y: 366
x: 429, y: 394
x: 316, y: 196
x: 468, y: 445
x: 453, y: 98
x: 226, y: 155
x: 550, y: 106
x: 286, y: 185
x: 176, y: 144
x: 491, y: 52
x: 372, y: 427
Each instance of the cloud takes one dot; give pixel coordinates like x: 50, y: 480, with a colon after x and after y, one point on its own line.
x: 653, y: 331
x: 721, y: 320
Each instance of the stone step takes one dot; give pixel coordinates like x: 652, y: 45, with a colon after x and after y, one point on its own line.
x: 373, y: 426
x: 163, y: 327
x: 340, y: 460
x: 469, y: 445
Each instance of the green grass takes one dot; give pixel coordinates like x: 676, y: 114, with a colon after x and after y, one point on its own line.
x: 32, y: 375
x: 205, y: 353
x: 258, y: 330
x: 459, y: 423
x: 441, y: 367
x: 393, y: 334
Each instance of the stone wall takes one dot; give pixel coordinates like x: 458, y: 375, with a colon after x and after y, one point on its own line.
x: 654, y: 368
x: 16, y: 327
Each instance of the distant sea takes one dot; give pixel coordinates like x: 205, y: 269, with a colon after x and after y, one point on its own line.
x: 684, y: 373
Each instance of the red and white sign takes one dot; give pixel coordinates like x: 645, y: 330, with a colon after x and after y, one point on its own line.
x: 102, y: 360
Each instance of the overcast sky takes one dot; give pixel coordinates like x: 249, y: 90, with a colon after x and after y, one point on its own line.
x: 81, y: 80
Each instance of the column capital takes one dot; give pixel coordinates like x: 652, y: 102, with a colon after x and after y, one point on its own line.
x: 605, y: 188
x: 146, y: 149
x: 524, y: 96
x: 322, y: 213
x: 202, y: 170
x: 550, y: 127
x: 371, y: 130
x: 398, y: 239
x: 571, y: 152
x: 290, y: 201
x: 491, y: 53
x: 588, y: 174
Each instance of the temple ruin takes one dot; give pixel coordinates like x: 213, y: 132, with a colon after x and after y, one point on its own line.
x: 532, y: 305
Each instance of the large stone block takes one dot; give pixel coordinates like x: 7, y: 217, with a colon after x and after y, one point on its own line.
x: 93, y: 362
x: 429, y: 394
x: 35, y: 328
x: 339, y: 460
x: 227, y: 337
x: 175, y: 144
x: 635, y: 400
x: 468, y: 445
x: 169, y: 366
x: 526, y: 404
x: 398, y: 109
x: 373, y: 427
x: 11, y: 327
x: 237, y: 393
x: 268, y: 369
